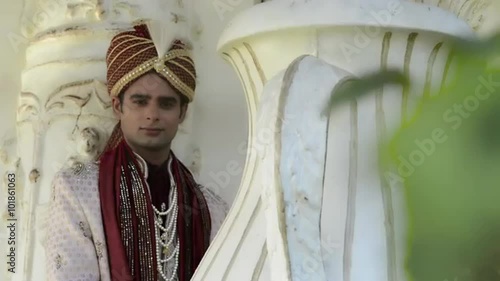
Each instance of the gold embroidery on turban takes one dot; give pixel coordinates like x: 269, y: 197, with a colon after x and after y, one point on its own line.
x: 132, y: 54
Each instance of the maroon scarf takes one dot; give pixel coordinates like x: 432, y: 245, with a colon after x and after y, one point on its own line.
x: 129, y: 221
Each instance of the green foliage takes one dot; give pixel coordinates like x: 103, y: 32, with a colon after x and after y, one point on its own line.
x: 453, y: 194
x: 447, y: 158
x: 358, y: 87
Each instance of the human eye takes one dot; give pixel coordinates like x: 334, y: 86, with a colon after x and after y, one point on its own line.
x: 140, y: 101
x: 167, y: 104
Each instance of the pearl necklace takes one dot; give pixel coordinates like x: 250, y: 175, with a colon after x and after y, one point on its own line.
x: 167, y: 255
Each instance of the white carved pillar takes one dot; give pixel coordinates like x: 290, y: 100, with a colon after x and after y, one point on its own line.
x: 62, y: 109
x: 362, y: 234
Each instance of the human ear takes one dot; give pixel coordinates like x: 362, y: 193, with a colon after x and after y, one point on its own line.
x: 184, y: 109
x: 117, y: 107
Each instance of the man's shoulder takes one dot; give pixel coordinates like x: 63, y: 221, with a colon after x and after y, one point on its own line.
x: 78, y: 171
x: 207, y: 192
x: 214, y: 201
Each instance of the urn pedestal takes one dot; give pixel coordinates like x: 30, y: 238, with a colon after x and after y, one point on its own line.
x: 313, y: 204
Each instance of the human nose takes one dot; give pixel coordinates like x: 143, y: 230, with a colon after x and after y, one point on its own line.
x: 152, y: 112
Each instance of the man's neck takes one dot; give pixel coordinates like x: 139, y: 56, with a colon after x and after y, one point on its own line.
x: 154, y: 157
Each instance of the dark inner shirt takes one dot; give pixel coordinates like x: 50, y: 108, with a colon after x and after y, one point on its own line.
x: 159, y: 184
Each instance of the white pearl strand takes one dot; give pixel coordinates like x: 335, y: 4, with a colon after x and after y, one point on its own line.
x: 169, y: 233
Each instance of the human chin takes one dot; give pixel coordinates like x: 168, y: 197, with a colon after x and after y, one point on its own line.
x: 157, y: 143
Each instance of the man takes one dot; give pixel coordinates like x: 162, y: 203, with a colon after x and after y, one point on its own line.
x: 136, y: 213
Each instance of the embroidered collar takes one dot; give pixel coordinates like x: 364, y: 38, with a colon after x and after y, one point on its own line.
x: 143, y: 164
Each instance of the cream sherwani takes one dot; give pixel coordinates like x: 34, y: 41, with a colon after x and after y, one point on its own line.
x: 76, y: 246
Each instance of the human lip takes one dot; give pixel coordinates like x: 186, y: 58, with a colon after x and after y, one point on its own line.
x: 152, y: 129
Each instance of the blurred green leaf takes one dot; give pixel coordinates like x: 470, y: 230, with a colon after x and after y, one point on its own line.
x: 447, y: 158
x: 355, y: 88
x: 452, y: 147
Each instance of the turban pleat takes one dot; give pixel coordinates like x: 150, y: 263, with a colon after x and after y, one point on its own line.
x: 132, y: 54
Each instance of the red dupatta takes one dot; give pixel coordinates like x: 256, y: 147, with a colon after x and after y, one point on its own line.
x: 128, y: 216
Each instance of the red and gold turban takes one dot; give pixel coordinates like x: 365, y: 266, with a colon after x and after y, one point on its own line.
x: 133, y: 53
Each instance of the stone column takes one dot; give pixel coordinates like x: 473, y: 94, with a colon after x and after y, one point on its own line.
x: 63, y: 107
x: 362, y: 214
